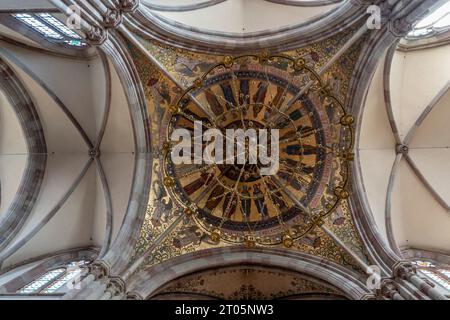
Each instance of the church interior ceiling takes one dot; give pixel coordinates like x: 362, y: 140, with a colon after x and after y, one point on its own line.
x: 336, y: 186
x: 247, y: 283
x: 196, y: 207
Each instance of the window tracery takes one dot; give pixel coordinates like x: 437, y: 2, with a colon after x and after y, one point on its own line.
x: 433, y: 24
x: 51, y: 28
x: 438, y: 275
x: 54, y: 279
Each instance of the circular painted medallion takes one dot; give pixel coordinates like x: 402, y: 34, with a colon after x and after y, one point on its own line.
x: 296, y: 175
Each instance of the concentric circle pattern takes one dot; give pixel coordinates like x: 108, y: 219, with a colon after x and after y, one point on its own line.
x: 236, y: 202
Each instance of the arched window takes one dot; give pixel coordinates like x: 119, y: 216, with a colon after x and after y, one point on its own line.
x: 435, y: 23
x: 54, y: 279
x: 439, y: 275
x: 51, y: 28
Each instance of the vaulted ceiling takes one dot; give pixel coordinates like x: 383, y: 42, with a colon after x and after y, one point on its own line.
x: 79, y: 102
x: 94, y: 155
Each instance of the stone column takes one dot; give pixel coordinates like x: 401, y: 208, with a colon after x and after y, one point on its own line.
x: 406, y: 271
x: 92, y: 286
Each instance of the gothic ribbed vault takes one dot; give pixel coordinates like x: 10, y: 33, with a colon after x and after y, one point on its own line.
x: 86, y: 167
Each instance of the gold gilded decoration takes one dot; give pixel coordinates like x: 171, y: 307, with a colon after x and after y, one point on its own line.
x: 246, y: 282
x: 347, y: 120
x: 185, y: 67
x: 350, y: 156
x: 299, y: 64
x: 169, y: 182
x: 250, y: 241
x: 166, y: 147
x: 215, y: 235
x: 188, y: 211
x: 288, y: 241
x: 317, y: 220
x: 238, y: 200
x: 228, y: 61
x: 198, y: 83
x: 341, y: 193
x: 174, y: 109
x: 264, y: 56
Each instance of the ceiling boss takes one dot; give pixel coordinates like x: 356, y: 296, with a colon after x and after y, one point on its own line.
x: 284, y: 110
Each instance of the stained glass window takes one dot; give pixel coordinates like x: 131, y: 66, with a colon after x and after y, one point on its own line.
x: 51, y: 28
x: 440, y: 276
x: 54, y: 279
x: 37, y: 25
x: 58, y: 283
x: 40, y: 282
x: 436, y: 22
x: 58, y: 25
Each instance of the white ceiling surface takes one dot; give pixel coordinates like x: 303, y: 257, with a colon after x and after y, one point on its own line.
x: 417, y: 77
x: 243, y: 16
x: 13, y: 151
x: 81, y: 86
x: 434, y: 131
x: 5, y: 31
x: 25, y: 4
x: 418, y: 219
x: 376, y: 149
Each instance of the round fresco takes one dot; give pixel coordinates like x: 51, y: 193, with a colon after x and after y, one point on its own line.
x: 235, y: 201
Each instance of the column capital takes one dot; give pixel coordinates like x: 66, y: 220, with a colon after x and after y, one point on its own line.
x: 403, y: 270
x: 128, y: 5
x: 133, y: 296
x: 96, y: 36
x: 113, y: 18
x: 116, y: 286
x: 388, y: 288
x: 99, y: 269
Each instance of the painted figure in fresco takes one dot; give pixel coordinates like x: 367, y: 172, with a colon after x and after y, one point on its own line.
x: 295, y: 115
x: 246, y: 202
x: 198, y: 117
x: 277, y: 197
x: 298, y: 167
x: 185, y: 66
x: 163, y: 92
x: 190, y: 67
x: 279, y: 98
x: 229, y: 205
x: 162, y: 97
x: 213, y: 102
x: 312, y: 240
x: 268, y: 115
x: 228, y: 94
x: 204, y: 180
x: 286, y: 176
x: 260, y: 202
x: 306, y: 131
x: 214, y: 198
x: 338, y: 217
x: 297, y: 150
x: 259, y: 98
x: 244, y: 96
x: 162, y: 203
x: 187, y: 236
